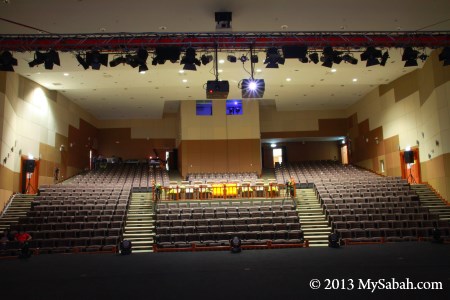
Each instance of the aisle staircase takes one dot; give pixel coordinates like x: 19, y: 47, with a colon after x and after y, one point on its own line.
x: 19, y: 206
x: 430, y: 200
x: 312, y: 219
x: 140, y: 223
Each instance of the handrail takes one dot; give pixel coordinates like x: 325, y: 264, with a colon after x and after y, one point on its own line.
x: 7, y: 204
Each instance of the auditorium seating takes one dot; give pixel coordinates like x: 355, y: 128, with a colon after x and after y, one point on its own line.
x: 364, y: 207
x: 68, y: 218
x: 209, y: 224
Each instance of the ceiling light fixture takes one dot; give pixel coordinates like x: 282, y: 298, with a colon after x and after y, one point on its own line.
x: 348, y: 58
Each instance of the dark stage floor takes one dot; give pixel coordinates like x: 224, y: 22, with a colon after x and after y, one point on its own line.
x: 252, y: 274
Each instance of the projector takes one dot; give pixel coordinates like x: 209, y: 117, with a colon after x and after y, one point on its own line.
x: 217, y: 89
x: 253, y: 88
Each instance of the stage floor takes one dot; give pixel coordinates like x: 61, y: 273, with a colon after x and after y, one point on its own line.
x: 252, y: 274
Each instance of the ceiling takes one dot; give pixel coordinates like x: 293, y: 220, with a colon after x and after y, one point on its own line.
x: 123, y: 93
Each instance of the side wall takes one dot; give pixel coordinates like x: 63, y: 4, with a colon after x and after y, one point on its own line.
x: 412, y: 111
x: 42, y: 123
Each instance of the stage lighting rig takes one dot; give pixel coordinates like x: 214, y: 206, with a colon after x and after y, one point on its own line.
x: 7, y: 61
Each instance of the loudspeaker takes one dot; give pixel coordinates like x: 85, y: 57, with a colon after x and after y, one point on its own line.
x: 29, y: 165
x: 408, y: 157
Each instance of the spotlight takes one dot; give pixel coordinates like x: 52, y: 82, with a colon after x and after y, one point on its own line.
x: 333, y: 240
x: 436, y: 234
x: 330, y: 56
x: 117, y: 61
x: 410, y: 57
x: 95, y: 59
x: 384, y: 58
x: 349, y: 59
x: 125, y: 247
x: 235, y: 244
x: 82, y: 61
x: 253, y: 88
x: 273, y: 58
x: 254, y: 59
x: 314, y: 57
x: 371, y: 55
x: 7, y: 61
x: 206, y: 59
x: 423, y: 57
x: 445, y: 56
x: 243, y: 58
x: 231, y: 58
x: 189, y: 61
x: 143, y: 69
x: 139, y: 59
x: 48, y: 59
x: 166, y: 53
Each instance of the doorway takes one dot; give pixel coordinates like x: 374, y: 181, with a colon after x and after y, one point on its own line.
x: 277, y: 154
x: 410, y: 165
x: 344, y: 155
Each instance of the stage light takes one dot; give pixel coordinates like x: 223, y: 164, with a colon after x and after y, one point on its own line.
x: 371, y: 55
x: 436, y: 234
x: 235, y: 244
x: 423, y: 57
x: 126, y: 247
x: 254, y: 59
x: 143, y: 69
x: 314, y: 57
x: 410, y: 57
x: 350, y: 59
x: 7, y: 61
x: 82, y: 61
x: 330, y: 56
x: 253, y: 88
x: 189, y: 60
x: 273, y: 58
x: 48, y: 59
x: 95, y: 59
x: 243, y: 58
x: 206, y: 59
x: 445, y: 56
x: 166, y: 53
x: 117, y: 61
x: 384, y: 58
x: 333, y: 240
x: 231, y: 58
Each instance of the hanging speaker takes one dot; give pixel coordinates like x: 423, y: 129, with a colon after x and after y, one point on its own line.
x: 29, y: 165
x: 408, y: 157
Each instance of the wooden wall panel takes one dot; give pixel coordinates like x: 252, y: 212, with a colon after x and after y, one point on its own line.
x: 220, y: 156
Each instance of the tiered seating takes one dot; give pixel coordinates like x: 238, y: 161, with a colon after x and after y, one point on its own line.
x: 364, y: 207
x: 222, y: 177
x: 139, y: 176
x: 203, y: 224
x: 68, y: 218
